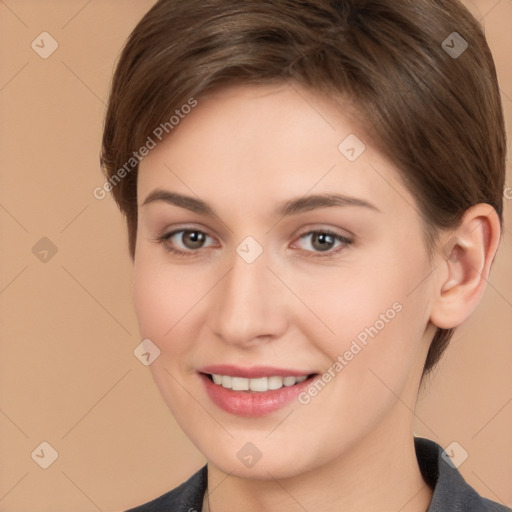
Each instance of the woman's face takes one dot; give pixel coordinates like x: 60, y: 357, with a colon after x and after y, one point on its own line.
x: 277, y: 281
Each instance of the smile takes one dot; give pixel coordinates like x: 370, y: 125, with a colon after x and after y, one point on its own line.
x: 253, y: 392
x: 259, y: 385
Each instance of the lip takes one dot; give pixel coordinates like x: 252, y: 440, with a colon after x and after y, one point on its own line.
x: 250, y: 403
x: 252, y: 372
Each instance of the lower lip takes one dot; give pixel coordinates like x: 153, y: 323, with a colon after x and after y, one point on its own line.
x: 252, y: 403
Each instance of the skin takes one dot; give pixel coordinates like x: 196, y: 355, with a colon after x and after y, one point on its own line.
x: 244, y: 150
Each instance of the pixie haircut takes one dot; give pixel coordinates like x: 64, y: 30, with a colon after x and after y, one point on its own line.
x: 434, y: 112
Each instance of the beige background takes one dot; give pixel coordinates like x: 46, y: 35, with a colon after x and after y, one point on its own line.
x: 68, y: 375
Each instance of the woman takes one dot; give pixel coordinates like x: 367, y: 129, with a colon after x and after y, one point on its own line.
x: 313, y: 192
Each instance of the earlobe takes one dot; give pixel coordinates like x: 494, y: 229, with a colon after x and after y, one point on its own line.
x: 464, y: 264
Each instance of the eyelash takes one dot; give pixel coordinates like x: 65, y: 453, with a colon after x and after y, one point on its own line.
x: 310, y: 254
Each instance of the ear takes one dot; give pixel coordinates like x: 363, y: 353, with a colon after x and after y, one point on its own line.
x: 465, y: 259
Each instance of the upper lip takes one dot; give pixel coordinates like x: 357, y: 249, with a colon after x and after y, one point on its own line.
x: 252, y: 372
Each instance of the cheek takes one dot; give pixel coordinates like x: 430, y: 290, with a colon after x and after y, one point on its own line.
x: 163, y: 298
x: 350, y: 302
x: 149, y: 297
x: 376, y: 316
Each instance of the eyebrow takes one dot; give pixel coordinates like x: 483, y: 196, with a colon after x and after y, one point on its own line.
x: 290, y: 207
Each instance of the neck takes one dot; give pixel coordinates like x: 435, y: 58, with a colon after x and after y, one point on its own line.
x: 380, y: 473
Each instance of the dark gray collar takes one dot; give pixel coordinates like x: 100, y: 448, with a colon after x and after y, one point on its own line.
x: 451, y: 492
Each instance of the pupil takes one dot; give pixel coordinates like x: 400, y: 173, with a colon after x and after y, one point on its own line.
x: 195, y: 238
x: 325, y: 240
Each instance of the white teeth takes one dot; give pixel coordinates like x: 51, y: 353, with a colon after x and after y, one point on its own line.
x: 239, y: 384
x: 289, y: 381
x: 260, y: 384
x: 226, y: 381
x: 275, y: 382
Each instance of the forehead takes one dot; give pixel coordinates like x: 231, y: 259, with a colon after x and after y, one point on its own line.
x: 250, y: 145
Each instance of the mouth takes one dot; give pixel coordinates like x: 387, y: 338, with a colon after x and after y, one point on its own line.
x: 259, y: 384
x: 253, y: 392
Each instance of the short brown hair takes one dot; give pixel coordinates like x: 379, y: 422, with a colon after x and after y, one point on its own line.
x: 435, y: 114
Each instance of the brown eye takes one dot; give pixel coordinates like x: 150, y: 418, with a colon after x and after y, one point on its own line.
x: 324, y: 243
x: 184, y: 242
x: 193, y: 239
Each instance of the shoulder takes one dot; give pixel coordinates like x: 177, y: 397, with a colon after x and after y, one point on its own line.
x: 187, y: 497
x: 451, y: 492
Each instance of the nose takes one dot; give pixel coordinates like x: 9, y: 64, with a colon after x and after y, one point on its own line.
x: 248, y: 305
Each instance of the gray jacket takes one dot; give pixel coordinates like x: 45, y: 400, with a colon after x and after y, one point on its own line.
x: 451, y: 492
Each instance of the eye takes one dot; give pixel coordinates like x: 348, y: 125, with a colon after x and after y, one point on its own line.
x: 187, y: 242
x: 184, y: 242
x: 323, y: 243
